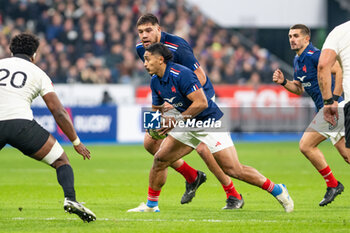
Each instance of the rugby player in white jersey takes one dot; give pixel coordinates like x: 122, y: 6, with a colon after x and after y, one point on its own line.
x: 20, y: 82
x: 336, y: 47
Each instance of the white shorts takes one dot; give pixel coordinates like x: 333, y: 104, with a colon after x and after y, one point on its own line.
x: 216, y: 141
x: 334, y: 133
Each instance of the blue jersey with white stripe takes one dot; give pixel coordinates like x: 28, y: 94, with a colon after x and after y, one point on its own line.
x: 305, y: 71
x: 178, y: 82
x: 183, y: 54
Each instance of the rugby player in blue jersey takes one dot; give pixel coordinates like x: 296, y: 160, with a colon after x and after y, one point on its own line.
x: 171, y: 81
x: 305, y: 79
x: 149, y: 33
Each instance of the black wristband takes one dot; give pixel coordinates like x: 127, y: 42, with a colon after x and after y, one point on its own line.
x: 284, y: 82
x: 336, y: 97
x: 329, y: 101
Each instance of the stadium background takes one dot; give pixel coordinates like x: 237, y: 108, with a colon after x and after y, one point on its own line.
x: 88, y: 49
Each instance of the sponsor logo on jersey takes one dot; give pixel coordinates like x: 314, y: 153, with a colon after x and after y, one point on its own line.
x: 301, y: 78
x: 308, y: 84
x: 179, y: 104
x: 170, y: 100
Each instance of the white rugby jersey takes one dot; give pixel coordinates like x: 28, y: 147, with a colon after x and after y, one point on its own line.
x: 339, y: 41
x: 20, y: 82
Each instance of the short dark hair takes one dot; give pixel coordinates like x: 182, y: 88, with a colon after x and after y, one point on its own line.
x: 160, y: 49
x: 24, y: 43
x: 304, y: 29
x: 147, y: 18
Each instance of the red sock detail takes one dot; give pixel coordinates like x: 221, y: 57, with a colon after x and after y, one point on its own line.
x: 231, y: 191
x: 328, y: 177
x: 153, y: 195
x: 268, y: 185
x: 188, y: 172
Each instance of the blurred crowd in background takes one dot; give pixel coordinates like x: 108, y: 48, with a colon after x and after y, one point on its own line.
x: 93, y: 41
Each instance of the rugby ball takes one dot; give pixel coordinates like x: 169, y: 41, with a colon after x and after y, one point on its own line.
x: 155, y: 135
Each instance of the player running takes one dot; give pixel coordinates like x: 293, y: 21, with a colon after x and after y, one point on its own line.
x: 149, y: 33
x: 174, y: 81
x: 21, y: 81
x: 305, y: 78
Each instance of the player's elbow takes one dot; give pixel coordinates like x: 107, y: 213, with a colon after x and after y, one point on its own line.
x: 322, y: 66
x: 203, y: 104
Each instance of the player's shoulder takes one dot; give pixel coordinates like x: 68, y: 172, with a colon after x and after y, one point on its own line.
x: 174, y: 42
x: 139, y: 47
x: 180, y: 68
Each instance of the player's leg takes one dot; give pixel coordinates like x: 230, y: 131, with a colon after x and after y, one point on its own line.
x: 169, y: 151
x: 317, y: 132
x: 37, y: 143
x: 192, y: 176
x: 233, y: 197
x: 220, y: 144
x: 343, y: 151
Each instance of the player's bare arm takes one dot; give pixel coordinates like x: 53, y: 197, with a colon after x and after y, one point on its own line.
x: 292, y: 86
x: 325, y: 64
x: 159, y: 108
x: 64, y: 122
x: 201, y: 75
x: 337, y: 71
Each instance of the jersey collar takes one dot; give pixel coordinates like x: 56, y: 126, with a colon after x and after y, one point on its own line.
x: 162, y: 37
x: 165, y: 78
x: 303, y: 55
x: 23, y: 56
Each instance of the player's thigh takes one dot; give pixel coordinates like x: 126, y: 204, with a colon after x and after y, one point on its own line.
x: 228, y: 159
x: 27, y: 136
x: 171, y: 150
x: 311, y: 138
x: 215, y: 141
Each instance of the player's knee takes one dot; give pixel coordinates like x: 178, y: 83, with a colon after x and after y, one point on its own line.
x: 62, y: 160
x: 346, y: 155
x: 159, y: 162
x: 202, y: 150
x: 54, y: 154
x: 234, y: 171
x: 303, y: 147
x: 151, y: 146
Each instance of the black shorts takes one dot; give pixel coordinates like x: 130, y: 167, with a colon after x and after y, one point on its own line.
x: 25, y: 135
x: 347, y: 124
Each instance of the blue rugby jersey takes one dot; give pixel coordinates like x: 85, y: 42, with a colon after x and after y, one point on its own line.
x: 178, y: 82
x: 305, y: 71
x: 183, y: 54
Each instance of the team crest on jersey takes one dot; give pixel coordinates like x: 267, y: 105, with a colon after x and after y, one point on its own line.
x: 173, y: 89
x: 304, y: 68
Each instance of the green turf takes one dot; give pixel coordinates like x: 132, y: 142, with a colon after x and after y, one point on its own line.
x: 116, y: 179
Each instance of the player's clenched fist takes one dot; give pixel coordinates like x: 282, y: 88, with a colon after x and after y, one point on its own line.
x: 278, y: 76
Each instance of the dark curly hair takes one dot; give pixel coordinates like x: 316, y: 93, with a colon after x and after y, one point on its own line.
x: 147, y: 18
x: 160, y: 49
x: 24, y: 43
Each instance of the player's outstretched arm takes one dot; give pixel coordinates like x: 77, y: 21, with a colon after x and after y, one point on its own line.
x: 64, y: 122
x: 324, y: 70
x: 292, y: 86
x: 338, y: 74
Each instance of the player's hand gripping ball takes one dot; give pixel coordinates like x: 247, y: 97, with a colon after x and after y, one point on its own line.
x: 155, y: 135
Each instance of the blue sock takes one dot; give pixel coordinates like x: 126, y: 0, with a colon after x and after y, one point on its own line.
x: 277, y: 190
x: 152, y: 204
